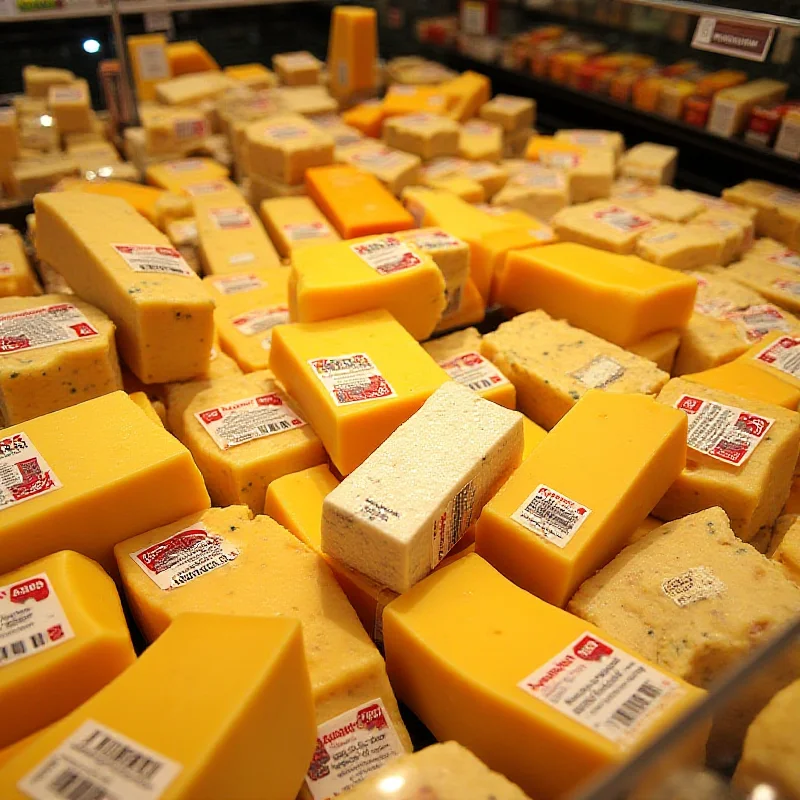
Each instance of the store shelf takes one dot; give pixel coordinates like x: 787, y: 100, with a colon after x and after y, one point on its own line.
x: 700, y: 9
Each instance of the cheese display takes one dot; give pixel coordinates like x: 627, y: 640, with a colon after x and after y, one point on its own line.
x: 604, y: 225
x: 17, y: 279
x: 510, y: 113
x: 425, y: 135
x: 649, y: 163
x: 294, y: 222
x: 297, y: 69
x: 176, y: 175
x: 682, y: 247
x: 784, y: 548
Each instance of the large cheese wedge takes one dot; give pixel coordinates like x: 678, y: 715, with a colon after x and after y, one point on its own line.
x: 353, y: 51
x: 147, y: 200
x: 620, y: 298
x: 337, y: 280
x: 57, y: 351
x: 88, y: 476
x: 117, y: 261
x: 63, y: 637
x: 355, y: 379
x: 177, y: 175
x: 395, y: 529
x: 744, y: 380
x: 147, y: 734
x: 564, y: 513
x: 16, y: 276
x: 226, y: 561
x: 483, y: 662
x: 295, y: 222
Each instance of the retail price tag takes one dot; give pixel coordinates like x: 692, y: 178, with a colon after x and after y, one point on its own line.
x: 746, y: 40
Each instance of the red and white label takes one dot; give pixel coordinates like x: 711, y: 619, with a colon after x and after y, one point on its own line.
x: 33, y: 328
x: 559, y: 160
x: 205, y: 188
x: 473, y: 371
x: 602, y: 687
x: 600, y: 372
x: 154, y: 258
x: 32, y: 619
x: 452, y: 523
x: 233, y: 218
x: 351, y: 378
x: 232, y: 424
x: 551, y: 515
x: 539, y: 178
x: 726, y: 433
x: 184, y: 165
x: 261, y: 320
x: 66, y: 94
x: 285, y: 132
x: 24, y: 474
x: 386, y: 255
x: 350, y: 748
x: 6, y: 268
x: 791, y: 287
x: 783, y: 354
x: 184, y: 556
x: 236, y: 284
x: 476, y: 127
x: 622, y: 219
x: 788, y: 258
x: 191, y: 129
x: 303, y: 231
x: 756, y: 322
x: 692, y: 586
x: 434, y: 240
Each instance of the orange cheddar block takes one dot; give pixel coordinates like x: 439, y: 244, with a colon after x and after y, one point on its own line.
x: 746, y: 380
x: 554, y: 152
x: 356, y: 379
x: 402, y: 99
x: 143, y: 198
x: 86, y: 477
x: 189, y: 56
x: 570, y: 508
x: 466, y: 93
x: 295, y: 222
x: 353, y: 51
x: 777, y: 354
x: 355, y: 202
x: 366, y: 117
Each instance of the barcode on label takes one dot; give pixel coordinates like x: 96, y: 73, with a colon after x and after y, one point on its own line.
x: 274, y: 427
x: 476, y: 386
x: 73, y: 785
x: 636, y: 705
x: 551, y: 515
x: 22, y: 647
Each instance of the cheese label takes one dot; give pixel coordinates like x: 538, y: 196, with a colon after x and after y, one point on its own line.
x: 551, y: 515
x: 692, y: 586
x: 303, y: 231
x: 452, y: 523
x: 600, y: 372
x: 472, y: 370
x: 32, y: 328
x: 181, y: 558
x: 259, y: 320
x: 791, y: 287
x: 540, y: 178
x: 236, y: 284
x: 66, y: 94
x: 441, y: 168
x: 351, y: 747
x: 152, y: 62
x: 351, y: 378
x: 560, y: 160
x: 602, y: 687
x: 379, y: 158
x: 285, y: 131
x: 783, y: 354
x: 476, y: 127
x: 190, y: 129
x: 6, y: 268
x: 661, y: 238
x: 24, y: 474
x: 726, y: 433
x: 231, y: 219
x: 386, y: 255
x: 154, y: 258
x: 756, y: 322
x: 232, y: 424
x: 32, y: 619
x: 435, y: 240
x: 184, y: 165
x: 622, y: 220
x: 788, y: 258
x: 206, y: 188
x: 96, y: 762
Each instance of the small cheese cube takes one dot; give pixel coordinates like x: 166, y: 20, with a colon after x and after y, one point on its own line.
x: 57, y: 351
x: 337, y: 280
x: 610, y: 140
x: 604, y: 225
x: 71, y: 107
x: 38, y: 80
x: 660, y: 202
x: 619, y: 298
x: 234, y: 743
x: 696, y: 600
x: 176, y: 175
x: 64, y: 637
x: 189, y: 90
x: 295, y: 222
x: 784, y: 548
x: 552, y: 365
x: 564, y: 513
x: 592, y: 176
x: 424, y: 135
x: 404, y: 100
x: 492, y: 177
x: 480, y: 141
x: 75, y: 479
x: 511, y: 113
x: 254, y: 76
x: 539, y: 191
x: 734, y: 229
x: 393, y: 168
x: 650, y: 163
x: 660, y: 348
x: 777, y: 283
x: 356, y: 379
x: 366, y: 117
x: 681, y: 247
x: 774, y: 206
x: 740, y: 378
x: 17, y: 279
x: 297, y: 69
x: 464, y: 188
x: 471, y: 310
x: 118, y: 262
x: 732, y: 462
x: 466, y: 94
x: 459, y: 648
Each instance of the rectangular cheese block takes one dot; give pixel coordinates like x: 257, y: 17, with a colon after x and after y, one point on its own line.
x: 295, y: 222
x: 660, y: 348
x: 254, y: 76
x: 57, y: 351
x: 353, y: 51
x: 604, y: 224
x: 552, y: 365
x: 38, y: 80
x: 71, y: 107
x: 403, y: 100
x: 784, y: 548
x: 567, y: 511
x: 552, y: 152
x: 450, y: 254
x: 306, y: 100
x: 176, y: 175
x: 511, y: 113
x: 355, y: 202
x: 736, y: 231
x: 684, y: 597
x: 396, y: 530
x: 175, y: 130
x: 775, y: 207
x: 381, y: 272
x: 366, y: 117
x: 681, y: 247
x: 610, y: 140
x: 466, y: 94
x: 189, y: 90
x: 460, y: 654
x: 471, y: 310
x: 234, y: 743
x: 743, y: 380
x: 730, y: 108
x: 355, y: 379
x: 620, y: 298
x: 113, y: 258
x: 297, y: 69
x: 480, y: 141
x: 538, y: 191
x: 425, y: 135
x: 462, y: 187
x: 75, y: 479
x: 592, y: 175
x: 30, y: 177
x: 742, y: 455
x: 17, y: 278
x: 660, y: 202
x: 258, y: 189
x: 393, y: 168
x: 650, y: 163
x: 149, y: 63
x: 777, y: 283
x: 491, y: 176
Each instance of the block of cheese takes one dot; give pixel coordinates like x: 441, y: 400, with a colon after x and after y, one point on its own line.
x: 38, y: 80
x: 366, y: 117
x: 189, y: 90
x: 742, y: 455
x: 154, y: 409
x: 75, y: 479
x: 149, y: 62
x: 775, y: 207
x: 95, y: 159
x: 731, y: 107
x: 393, y: 168
x: 395, y: 530
x: 539, y: 191
x: 515, y: 144
x: 564, y: 513
x: 254, y: 76
x: 144, y: 199
x: 176, y: 175
x: 403, y: 100
x: 63, y: 637
x: 777, y: 283
x: 592, y: 175
x: 17, y: 279
x: 380, y: 272
x: 471, y: 310
x: 355, y: 379
x: 227, y: 561
x: 306, y: 100
x: 681, y: 247
x: 697, y: 601
x: 622, y: 299
x: 480, y: 141
x: 70, y: 107
x: 353, y: 51
x: 188, y: 57
x: 650, y: 163
x: 460, y: 654
x: 660, y: 348
x: 510, y: 113
x: 611, y: 140
x: 235, y: 743
x: 258, y: 189
x: 744, y: 380
x: 30, y: 177
x: 606, y: 225
x: 736, y: 232
x: 492, y: 177
x: 295, y: 222
x: 778, y: 355
x: 342, y: 133
x: 552, y: 365
x: 113, y: 258
x: 297, y: 69
x: 462, y: 187
x: 174, y: 130
x: 55, y: 351
x: 425, y: 135
x: 660, y: 202
x: 551, y: 152
x: 466, y: 94
x: 784, y: 548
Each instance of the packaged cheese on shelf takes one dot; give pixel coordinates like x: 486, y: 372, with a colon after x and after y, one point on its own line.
x: 681, y: 247
x: 604, y: 224
x: 295, y: 222
x: 297, y: 69
x: 17, y: 278
x: 395, y: 169
x: 511, y: 113
x: 650, y: 163
x: 730, y: 108
x: 425, y: 135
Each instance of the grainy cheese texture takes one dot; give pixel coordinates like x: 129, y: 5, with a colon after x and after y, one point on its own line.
x: 552, y: 365
x: 740, y: 378
x: 696, y: 600
x: 751, y: 489
x: 784, y: 548
x: 396, y: 530
x: 660, y: 202
x: 604, y: 224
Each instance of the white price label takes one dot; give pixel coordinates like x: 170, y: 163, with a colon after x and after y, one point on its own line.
x: 600, y: 372
x: 551, y: 515
x: 154, y: 258
x: 24, y: 474
x: 783, y: 354
x: 261, y: 320
x: 303, y: 231
x: 351, y: 378
x: 386, y: 255
x: 45, y: 326
x: 692, y: 586
x: 231, y: 219
x: 236, y: 284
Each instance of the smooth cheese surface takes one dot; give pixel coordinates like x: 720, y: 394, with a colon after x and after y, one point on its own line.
x: 295, y: 222
x: 395, y: 169
x: 604, y: 224
x: 739, y: 378
x: 353, y: 51
x: 177, y: 174
x: 650, y: 163
x: 425, y: 135
x: 510, y: 112
x: 660, y: 348
x: 16, y: 276
x: 681, y: 247
x: 154, y: 409
x: 471, y: 310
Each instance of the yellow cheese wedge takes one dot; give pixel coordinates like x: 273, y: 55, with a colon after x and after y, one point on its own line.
x: 745, y: 380
x: 154, y: 409
x: 462, y: 654
x: 366, y: 117
x: 471, y: 310
x: 295, y: 222
x: 63, y: 638
x: 176, y: 175
x: 189, y: 56
x: 355, y: 379
x: 299, y: 68
x: 402, y: 100
x: 145, y: 199
x: 337, y: 280
x: 86, y: 477
x: 149, y: 724
x: 467, y: 93
x: 353, y: 51
x: 16, y: 276
x: 118, y: 262
x: 254, y: 76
